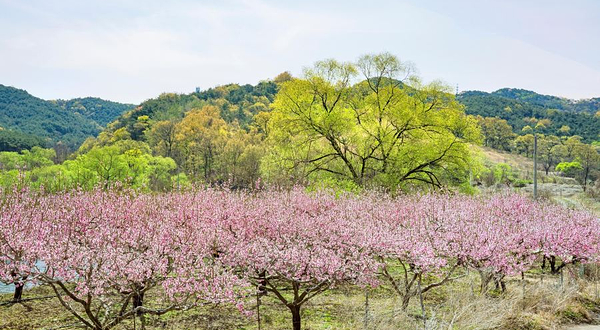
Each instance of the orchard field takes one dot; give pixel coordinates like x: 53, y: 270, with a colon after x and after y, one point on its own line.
x: 351, y: 197
x: 182, y: 165
x: 268, y: 258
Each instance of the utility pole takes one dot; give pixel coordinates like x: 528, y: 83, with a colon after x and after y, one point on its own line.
x: 534, y: 164
x: 534, y: 125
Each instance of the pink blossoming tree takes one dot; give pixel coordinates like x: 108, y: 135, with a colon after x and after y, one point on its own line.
x: 102, y: 252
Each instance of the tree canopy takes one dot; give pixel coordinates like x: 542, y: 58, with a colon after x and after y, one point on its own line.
x: 370, y: 122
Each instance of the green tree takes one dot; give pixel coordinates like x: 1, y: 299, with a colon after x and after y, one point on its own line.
x: 497, y: 133
x: 162, y: 137
x: 158, y: 174
x: 564, y: 130
x: 10, y: 160
x: 589, y: 159
x: 240, y: 159
x: 381, y: 130
x: 201, y: 136
x: 571, y: 144
x: 106, y: 162
x: 283, y: 77
x: 550, y: 151
x: 523, y: 144
x: 26, y: 159
x: 570, y: 169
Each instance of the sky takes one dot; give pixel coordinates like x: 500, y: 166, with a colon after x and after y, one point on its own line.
x: 130, y: 51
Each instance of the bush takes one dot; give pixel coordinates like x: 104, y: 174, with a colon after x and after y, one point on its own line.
x: 569, y: 169
x: 520, y: 183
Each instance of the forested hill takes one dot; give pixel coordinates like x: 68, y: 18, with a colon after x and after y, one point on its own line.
x: 235, y: 103
x: 516, y: 105
x: 548, y: 101
x: 239, y: 104
x: 99, y: 110
x: 25, y: 119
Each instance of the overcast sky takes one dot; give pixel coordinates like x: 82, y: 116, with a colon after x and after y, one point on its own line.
x: 129, y: 51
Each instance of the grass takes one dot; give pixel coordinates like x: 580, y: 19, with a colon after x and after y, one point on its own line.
x: 516, y: 162
x: 542, y: 306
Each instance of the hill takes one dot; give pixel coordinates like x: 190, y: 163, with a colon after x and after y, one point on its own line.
x: 24, y: 116
x: 236, y: 103
x: 516, y: 105
x: 100, y: 111
x: 590, y: 106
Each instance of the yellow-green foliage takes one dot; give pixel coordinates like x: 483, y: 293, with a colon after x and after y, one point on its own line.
x: 380, y: 131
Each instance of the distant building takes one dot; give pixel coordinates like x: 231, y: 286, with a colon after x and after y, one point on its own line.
x: 197, y: 89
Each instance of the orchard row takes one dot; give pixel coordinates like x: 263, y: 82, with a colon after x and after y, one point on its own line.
x: 103, y: 251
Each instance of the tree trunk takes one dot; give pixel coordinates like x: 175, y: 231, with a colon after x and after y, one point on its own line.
x: 500, y: 285
x: 366, y: 320
x: 296, y: 323
x: 138, y: 301
x: 262, y: 283
x: 422, y: 304
x: 258, y: 310
x: 486, y: 278
x: 543, y: 263
x: 18, y: 292
x: 405, y: 301
x: 262, y: 290
x: 19, y: 282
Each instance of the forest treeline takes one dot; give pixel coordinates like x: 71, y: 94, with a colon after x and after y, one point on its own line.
x: 367, y: 123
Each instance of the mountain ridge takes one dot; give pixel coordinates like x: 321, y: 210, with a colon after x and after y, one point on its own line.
x: 69, y: 122
x: 589, y: 105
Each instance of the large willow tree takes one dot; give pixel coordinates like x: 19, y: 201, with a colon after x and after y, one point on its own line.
x: 370, y: 122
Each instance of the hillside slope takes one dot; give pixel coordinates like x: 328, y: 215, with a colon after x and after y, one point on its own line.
x: 239, y: 103
x: 590, y: 106
x: 69, y: 122
x: 100, y: 111
x: 515, y: 106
